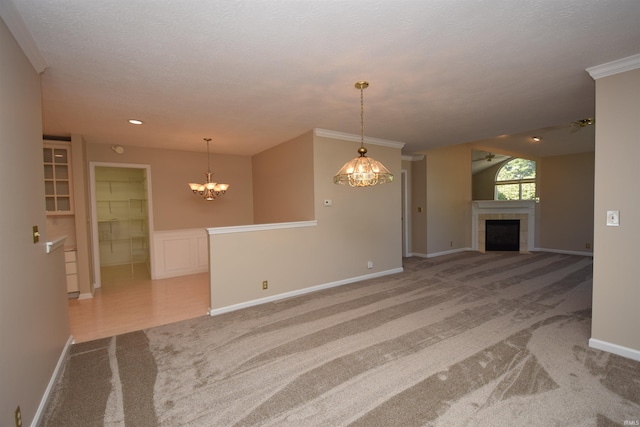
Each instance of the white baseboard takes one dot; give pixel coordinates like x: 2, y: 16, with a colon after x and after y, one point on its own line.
x: 627, y: 352
x: 52, y: 382
x: 558, y: 251
x: 88, y: 295
x: 214, y: 312
x: 437, y: 254
x: 561, y: 251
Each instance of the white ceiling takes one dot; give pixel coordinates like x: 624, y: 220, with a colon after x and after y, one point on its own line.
x: 251, y: 74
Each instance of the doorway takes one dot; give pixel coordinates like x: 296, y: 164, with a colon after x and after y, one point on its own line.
x: 121, y: 220
x: 405, y: 211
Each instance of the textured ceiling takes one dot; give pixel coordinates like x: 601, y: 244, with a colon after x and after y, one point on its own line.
x: 251, y: 74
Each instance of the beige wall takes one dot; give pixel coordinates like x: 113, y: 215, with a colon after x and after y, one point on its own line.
x: 34, y: 323
x: 283, y: 182
x: 616, y: 289
x: 362, y: 225
x: 565, y: 188
x: 448, y: 199
x: 174, y: 205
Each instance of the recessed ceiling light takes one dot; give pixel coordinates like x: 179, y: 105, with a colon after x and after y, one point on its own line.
x: 135, y: 122
x: 536, y: 138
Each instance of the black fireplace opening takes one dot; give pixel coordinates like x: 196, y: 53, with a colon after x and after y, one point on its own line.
x: 502, y: 235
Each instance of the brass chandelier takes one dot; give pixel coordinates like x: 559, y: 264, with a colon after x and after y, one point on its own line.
x: 210, y: 189
x: 362, y: 171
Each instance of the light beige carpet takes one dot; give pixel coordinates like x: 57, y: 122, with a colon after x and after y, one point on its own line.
x: 495, y: 339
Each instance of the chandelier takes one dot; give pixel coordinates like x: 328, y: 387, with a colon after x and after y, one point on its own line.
x: 209, y: 190
x: 362, y: 171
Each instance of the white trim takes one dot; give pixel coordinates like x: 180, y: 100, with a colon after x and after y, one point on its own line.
x: 356, y: 138
x: 629, y: 353
x: 12, y: 18
x: 88, y: 295
x: 55, y: 244
x: 418, y: 254
x: 260, y: 227
x: 52, y: 382
x: 615, y: 67
x: 412, y: 157
x: 562, y: 251
x: 452, y: 251
x: 214, y: 312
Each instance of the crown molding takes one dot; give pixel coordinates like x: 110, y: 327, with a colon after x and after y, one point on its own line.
x: 615, y: 67
x: 13, y: 20
x: 412, y: 157
x: 351, y: 137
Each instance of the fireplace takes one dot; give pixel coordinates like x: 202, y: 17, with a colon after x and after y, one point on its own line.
x: 502, y: 235
x: 488, y: 210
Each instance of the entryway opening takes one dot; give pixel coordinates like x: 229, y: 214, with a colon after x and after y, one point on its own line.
x: 121, y: 222
x: 502, y: 235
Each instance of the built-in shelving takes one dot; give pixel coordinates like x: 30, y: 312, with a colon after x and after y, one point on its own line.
x: 122, y: 216
x: 57, y: 179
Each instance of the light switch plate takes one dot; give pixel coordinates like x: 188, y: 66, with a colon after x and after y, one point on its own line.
x: 613, y: 218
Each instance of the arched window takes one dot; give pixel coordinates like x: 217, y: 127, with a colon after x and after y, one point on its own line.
x: 516, y: 180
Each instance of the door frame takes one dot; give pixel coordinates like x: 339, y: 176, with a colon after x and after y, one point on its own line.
x: 95, y: 243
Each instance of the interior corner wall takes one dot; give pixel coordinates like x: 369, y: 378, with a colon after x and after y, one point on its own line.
x: 175, y: 207
x: 565, y: 188
x: 616, y: 292
x: 283, y: 182
x: 448, y: 199
x: 34, y: 320
x: 361, y: 225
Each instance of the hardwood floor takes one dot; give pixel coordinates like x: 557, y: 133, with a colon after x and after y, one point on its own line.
x: 128, y: 302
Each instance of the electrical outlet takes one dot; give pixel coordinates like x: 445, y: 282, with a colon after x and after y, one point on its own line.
x: 265, y: 284
x: 18, y: 415
x: 588, y: 245
x: 613, y: 218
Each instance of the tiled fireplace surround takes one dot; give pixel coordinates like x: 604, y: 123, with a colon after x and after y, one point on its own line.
x: 483, y: 210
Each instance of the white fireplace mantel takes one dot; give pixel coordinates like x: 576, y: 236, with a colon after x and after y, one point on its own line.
x: 504, y: 208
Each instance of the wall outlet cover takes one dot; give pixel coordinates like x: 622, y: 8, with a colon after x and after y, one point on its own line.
x: 613, y: 218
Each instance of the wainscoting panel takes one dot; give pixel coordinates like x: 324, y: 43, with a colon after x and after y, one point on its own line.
x: 180, y: 253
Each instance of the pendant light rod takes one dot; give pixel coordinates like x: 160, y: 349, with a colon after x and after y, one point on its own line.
x: 362, y: 85
x: 362, y: 171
